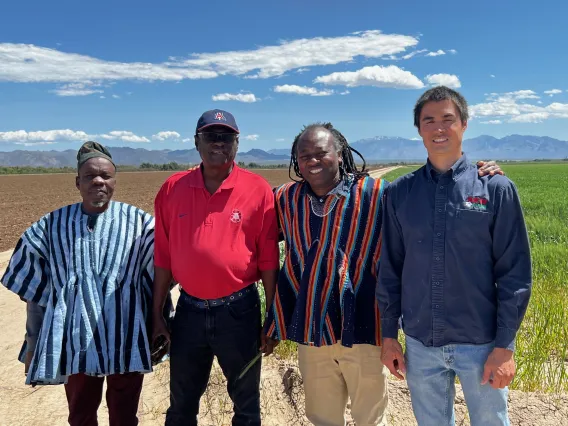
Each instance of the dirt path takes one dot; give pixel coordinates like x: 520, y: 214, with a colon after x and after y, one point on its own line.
x: 381, y: 172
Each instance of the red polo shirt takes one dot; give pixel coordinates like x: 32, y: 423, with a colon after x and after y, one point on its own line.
x: 215, y: 244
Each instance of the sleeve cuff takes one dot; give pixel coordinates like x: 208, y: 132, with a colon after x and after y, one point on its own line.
x: 389, y: 328
x: 505, y: 338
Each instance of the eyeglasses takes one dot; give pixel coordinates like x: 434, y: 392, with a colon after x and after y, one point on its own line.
x: 212, y: 137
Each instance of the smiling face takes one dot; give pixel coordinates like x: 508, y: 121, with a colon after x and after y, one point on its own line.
x: 319, y: 160
x: 441, y: 128
x: 96, y: 181
x: 217, y: 146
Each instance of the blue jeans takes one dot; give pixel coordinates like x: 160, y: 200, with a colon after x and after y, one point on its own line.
x: 431, y: 373
x: 232, y: 334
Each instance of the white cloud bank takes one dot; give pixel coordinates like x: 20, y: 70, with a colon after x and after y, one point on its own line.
x: 252, y: 137
x: 166, y: 135
x: 448, y: 80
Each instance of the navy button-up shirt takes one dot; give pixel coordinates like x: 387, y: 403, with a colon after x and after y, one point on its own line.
x: 455, y: 263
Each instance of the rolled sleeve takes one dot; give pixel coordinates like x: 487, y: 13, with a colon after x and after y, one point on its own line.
x: 512, y: 266
x: 388, y: 291
x: 267, y: 243
x: 161, y: 231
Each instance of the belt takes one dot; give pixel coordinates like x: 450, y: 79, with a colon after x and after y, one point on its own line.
x: 213, y: 303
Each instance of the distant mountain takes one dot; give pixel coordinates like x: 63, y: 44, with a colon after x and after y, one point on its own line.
x: 379, y: 148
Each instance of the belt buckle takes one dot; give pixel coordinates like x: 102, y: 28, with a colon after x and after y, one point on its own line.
x: 206, y: 303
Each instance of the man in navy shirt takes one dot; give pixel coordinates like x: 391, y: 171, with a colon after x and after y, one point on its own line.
x: 455, y: 272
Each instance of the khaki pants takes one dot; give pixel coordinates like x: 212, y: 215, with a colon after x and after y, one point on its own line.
x: 333, y: 373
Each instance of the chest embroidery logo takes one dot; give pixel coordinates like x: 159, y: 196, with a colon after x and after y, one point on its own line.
x: 476, y: 203
x: 236, y: 216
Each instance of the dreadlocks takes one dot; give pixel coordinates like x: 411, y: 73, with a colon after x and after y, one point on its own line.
x: 342, y: 146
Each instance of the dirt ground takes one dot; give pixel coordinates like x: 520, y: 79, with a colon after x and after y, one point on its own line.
x: 281, y: 387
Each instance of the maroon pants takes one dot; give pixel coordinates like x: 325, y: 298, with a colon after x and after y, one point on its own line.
x: 84, y: 395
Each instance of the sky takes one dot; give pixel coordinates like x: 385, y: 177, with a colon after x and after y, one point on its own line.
x: 139, y: 74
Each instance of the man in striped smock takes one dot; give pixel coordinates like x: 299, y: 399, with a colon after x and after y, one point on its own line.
x: 90, y: 266
x: 325, y: 298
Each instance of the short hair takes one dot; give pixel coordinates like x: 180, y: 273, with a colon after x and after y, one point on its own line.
x: 438, y: 94
x: 341, y: 145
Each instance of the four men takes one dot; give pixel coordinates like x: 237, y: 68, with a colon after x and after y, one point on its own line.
x: 464, y: 290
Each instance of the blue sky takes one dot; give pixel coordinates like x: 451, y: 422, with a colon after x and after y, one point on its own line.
x: 138, y: 74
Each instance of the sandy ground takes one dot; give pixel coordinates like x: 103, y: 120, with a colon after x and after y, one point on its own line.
x: 282, y: 399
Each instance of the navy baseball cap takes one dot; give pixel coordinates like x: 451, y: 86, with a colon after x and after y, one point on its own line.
x: 216, y: 117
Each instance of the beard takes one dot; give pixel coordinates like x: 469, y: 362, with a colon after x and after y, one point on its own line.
x: 98, y: 204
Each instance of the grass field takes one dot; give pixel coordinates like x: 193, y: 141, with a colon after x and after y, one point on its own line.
x: 542, y: 343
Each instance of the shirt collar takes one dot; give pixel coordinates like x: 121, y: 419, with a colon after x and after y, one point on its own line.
x: 342, y: 188
x: 456, y: 170
x: 196, y: 178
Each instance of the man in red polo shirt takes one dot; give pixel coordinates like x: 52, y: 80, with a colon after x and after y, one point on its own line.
x: 216, y: 234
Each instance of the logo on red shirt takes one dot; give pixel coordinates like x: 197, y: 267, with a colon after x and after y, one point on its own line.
x: 236, y: 216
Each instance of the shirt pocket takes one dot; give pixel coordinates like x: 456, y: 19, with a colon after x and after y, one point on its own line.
x: 472, y: 226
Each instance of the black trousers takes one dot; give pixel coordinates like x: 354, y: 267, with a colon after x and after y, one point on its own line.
x: 232, y: 334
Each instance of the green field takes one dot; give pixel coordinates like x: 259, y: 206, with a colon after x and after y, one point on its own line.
x: 542, y: 343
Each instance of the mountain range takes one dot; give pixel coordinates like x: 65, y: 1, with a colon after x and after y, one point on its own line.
x: 377, y: 149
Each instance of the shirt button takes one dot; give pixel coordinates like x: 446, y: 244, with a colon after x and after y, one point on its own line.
x: 439, y: 210
x: 442, y: 187
x: 438, y: 234
x: 437, y: 258
x: 437, y: 306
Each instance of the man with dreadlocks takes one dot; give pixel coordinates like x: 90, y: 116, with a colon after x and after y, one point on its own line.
x: 331, y: 222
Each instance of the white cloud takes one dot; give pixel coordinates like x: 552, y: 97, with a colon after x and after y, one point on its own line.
x: 187, y: 140
x: 453, y: 51
x: 125, y: 136
x: 302, y: 90
x: 515, y: 107
x: 252, y: 137
x: 77, y: 89
x: 377, y: 76
x: 165, y: 135
x: 533, y: 117
x: 42, y: 137
x: 552, y: 92
x: 272, y: 61
x: 115, y: 97
x: 302, y: 70
x: 492, y: 75
x: 240, y: 97
x: 412, y: 54
x: 448, y: 80
x: 280, y: 140
x: 103, y: 97
x: 345, y: 92
x: 491, y: 122
x: 437, y: 53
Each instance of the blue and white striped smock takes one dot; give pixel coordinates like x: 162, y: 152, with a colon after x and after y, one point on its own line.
x: 96, y: 287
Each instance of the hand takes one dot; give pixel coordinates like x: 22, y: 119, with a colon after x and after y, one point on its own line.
x: 499, y: 369
x: 160, y: 328
x: 267, y: 344
x: 489, y: 168
x: 392, y: 357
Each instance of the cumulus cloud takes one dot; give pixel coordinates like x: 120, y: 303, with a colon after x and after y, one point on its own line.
x: 239, y: 97
x: 124, y: 136
x: 165, y: 135
x: 43, y: 136
x: 453, y: 51
x: 516, y: 107
x: 27, y: 63
x: 552, y: 92
x: 252, y: 137
x: 492, y: 75
x: 492, y: 122
x: 449, y: 80
x: 437, y: 53
x: 302, y: 90
x: 377, y: 76
x: 115, y: 97
x: 412, y: 54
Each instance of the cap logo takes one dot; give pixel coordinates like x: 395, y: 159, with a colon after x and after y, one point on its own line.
x: 219, y: 116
